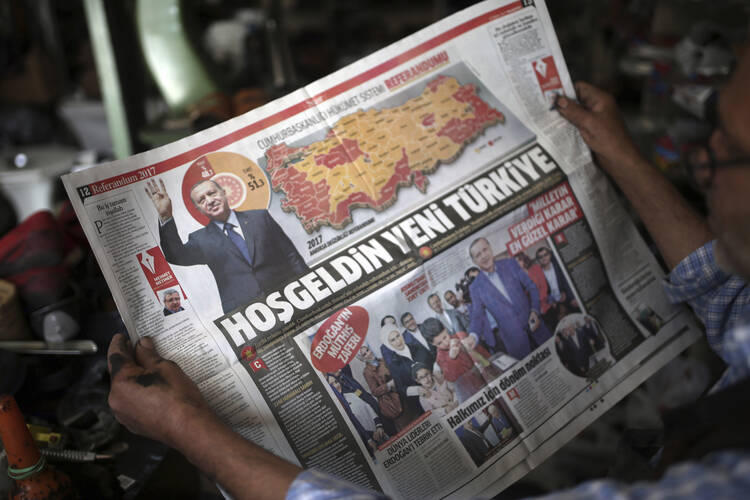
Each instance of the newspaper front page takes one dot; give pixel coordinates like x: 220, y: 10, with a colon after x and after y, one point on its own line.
x: 408, y: 274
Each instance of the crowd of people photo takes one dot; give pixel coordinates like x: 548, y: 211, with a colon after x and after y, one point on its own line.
x: 502, y: 307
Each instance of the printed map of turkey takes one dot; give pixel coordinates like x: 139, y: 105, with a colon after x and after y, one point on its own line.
x: 368, y: 155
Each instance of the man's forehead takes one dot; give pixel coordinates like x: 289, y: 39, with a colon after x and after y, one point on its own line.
x: 203, y: 187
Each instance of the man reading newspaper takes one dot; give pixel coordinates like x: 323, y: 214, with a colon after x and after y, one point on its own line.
x: 153, y: 397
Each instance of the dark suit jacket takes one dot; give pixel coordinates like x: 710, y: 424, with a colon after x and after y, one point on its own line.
x: 562, y: 283
x: 274, y: 258
x: 418, y: 350
x: 576, y: 358
x: 478, y: 447
x: 459, y: 322
x: 512, y: 317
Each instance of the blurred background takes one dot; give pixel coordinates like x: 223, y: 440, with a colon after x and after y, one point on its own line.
x: 88, y: 81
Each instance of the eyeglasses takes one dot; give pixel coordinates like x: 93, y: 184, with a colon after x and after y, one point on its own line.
x: 699, y: 160
x: 701, y: 165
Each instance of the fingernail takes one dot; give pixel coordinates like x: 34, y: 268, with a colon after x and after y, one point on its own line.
x: 562, y: 102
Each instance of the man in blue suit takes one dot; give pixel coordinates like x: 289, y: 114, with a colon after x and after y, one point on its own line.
x: 247, y: 252
x: 506, y: 292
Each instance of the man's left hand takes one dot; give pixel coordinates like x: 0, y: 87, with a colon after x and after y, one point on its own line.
x: 534, y: 321
x: 469, y: 343
x: 150, y: 395
x: 379, y: 435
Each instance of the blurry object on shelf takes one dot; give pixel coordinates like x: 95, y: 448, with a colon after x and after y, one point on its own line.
x: 27, y: 467
x: 642, y: 59
x: 238, y: 46
x: 33, y: 83
x: 174, y: 63
x: 88, y: 121
x: 8, y: 219
x: 57, y: 321
x: 36, y: 257
x: 699, y: 100
x: 681, y: 138
x: 25, y: 125
x: 14, y: 323
x: 12, y: 372
x: 46, y: 436
x: 704, y: 52
x: 29, y: 176
x: 84, y: 412
x: 245, y: 100
x: 70, y: 347
x: 75, y: 456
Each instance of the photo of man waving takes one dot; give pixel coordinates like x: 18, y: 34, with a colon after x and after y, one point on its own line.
x: 247, y: 251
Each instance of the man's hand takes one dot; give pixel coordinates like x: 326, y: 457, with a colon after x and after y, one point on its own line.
x: 160, y: 198
x: 469, y: 343
x: 598, y: 120
x: 150, y: 395
x: 454, y: 349
x: 534, y: 321
x: 379, y: 435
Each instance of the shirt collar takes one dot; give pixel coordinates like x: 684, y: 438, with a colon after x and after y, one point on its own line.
x: 232, y: 219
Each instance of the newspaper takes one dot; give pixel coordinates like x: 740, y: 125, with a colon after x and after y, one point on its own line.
x: 425, y: 287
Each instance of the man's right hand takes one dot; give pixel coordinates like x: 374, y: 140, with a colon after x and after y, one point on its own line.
x: 598, y: 120
x: 160, y: 198
x: 150, y: 395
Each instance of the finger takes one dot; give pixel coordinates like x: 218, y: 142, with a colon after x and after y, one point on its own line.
x: 163, y: 187
x: 151, y: 186
x: 589, y: 94
x: 145, y: 353
x: 119, y: 354
x: 572, y: 111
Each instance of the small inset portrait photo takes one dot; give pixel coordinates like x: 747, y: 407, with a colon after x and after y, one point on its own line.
x: 582, y: 346
x: 488, y: 431
x: 171, y: 299
x: 648, y: 318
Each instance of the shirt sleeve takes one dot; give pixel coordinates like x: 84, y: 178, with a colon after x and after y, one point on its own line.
x: 723, y: 474
x: 315, y: 485
x: 718, y: 298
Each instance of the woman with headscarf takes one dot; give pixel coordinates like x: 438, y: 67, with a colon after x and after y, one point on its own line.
x: 392, y: 404
x: 399, y: 356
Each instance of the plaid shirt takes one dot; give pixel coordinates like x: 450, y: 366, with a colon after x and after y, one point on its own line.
x: 722, y: 302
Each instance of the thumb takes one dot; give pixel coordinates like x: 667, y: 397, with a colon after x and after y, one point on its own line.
x: 145, y: 353
x: 572, y: 111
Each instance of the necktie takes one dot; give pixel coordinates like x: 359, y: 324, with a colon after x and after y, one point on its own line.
x: 237, y: 240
